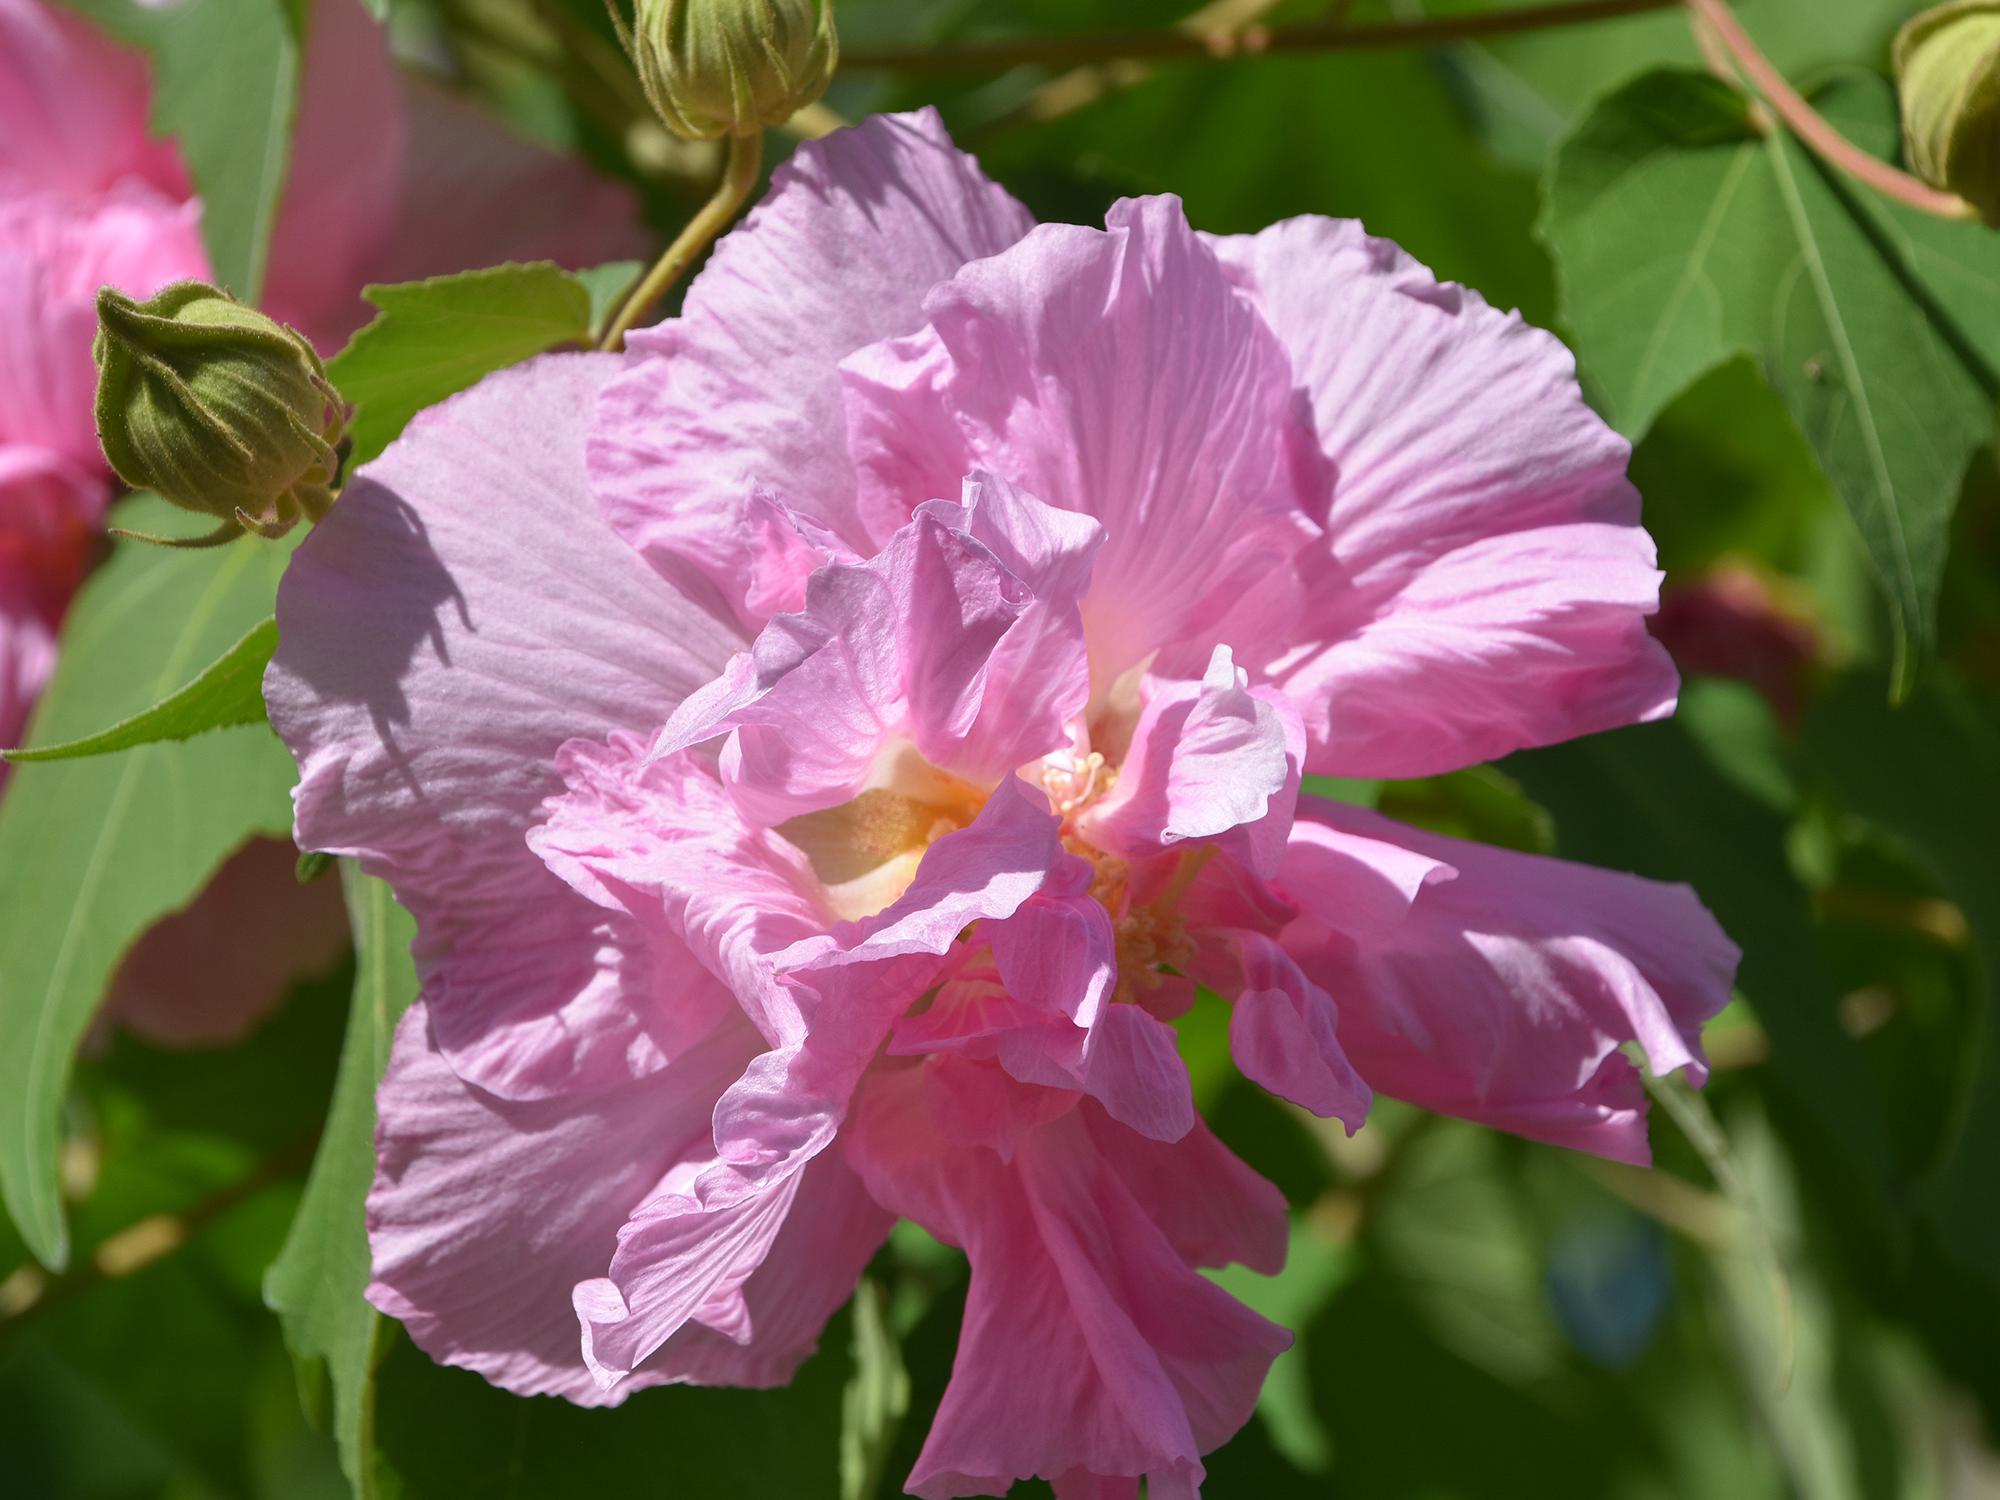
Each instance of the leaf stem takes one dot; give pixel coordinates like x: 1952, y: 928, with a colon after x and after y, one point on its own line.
x: 1250, y: 41
x: 1812, y: 128
x: 739, y: 177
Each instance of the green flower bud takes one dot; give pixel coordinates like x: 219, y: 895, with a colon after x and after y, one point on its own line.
x: 218, y: 408
x: 730, y: 67
x: 1948, y: 78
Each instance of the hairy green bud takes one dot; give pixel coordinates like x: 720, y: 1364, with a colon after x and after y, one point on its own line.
x: 731, y: 67
x: 218, y: 408
x: 1948, y: 80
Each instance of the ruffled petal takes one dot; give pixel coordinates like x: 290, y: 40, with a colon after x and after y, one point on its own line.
x: 826, y: 1003
x: 1119, y: 374
x: 460, y: 615
x: 855, y: 230
x: 1091, y: 1346
x: 931, y: 645
x: 658, y: 842
x: 486, y: 1211
x: 1210, y: 761
x: 1128, y: 1061
x: 1486, y: 580
x: 1505, y: 994
x: 1283, y: 1028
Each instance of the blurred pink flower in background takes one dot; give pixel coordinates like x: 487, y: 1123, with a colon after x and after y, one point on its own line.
x: 824, y: 747
x: 1731, y: 622
x: 391, y: 178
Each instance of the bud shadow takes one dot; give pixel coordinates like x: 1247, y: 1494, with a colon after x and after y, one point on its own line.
x: 370, y: 581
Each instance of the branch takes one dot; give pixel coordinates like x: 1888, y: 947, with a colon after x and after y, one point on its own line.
x: 1252, y: 41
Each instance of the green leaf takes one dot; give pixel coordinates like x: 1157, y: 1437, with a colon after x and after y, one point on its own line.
x: 1314, y: 1267
x: 1944, y: 748
x: 1684, y: 235
x: 1187, y: 130
x: 229, y: 692
x: 607, y: 285
x: 876, y: 1398
x: 92, y: 852
x: 316, y: 1284
x: 432, y: 339
x: 235, y: 139
x: 445, y: 1434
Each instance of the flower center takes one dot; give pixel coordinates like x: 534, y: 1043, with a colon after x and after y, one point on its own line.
x: 1149, y: 932
x: 866, y: 852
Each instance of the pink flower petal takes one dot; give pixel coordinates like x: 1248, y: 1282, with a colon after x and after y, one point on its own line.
x: 1213, y: 760
x: 1057, y: 954
x: 1091, y: 1346
x: 27, y: 653
x: 49, y: 510
x: 692, y: 1248
x: 1506, y: 993
x: 1118, y: 374
x: 932, y: 645
x: 486, y: 1211
x: 659, y: 842
x: 339, y: 203
x: 56, y: 250
x: 73, y: 108
x: 461, y: 614
x: 1283, y: 1027
x: 1128, y: 1061
x: 758, y: 1321
x: 1488, y: 581
x: 854, y: 231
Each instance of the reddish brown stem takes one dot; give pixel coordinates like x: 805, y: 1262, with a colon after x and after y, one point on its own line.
x: 1811, y: 127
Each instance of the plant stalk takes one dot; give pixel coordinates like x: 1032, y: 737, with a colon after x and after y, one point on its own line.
x: 1812, y: 128
x: 739, y: 178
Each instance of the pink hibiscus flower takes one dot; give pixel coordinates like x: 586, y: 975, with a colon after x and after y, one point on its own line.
x: 391, y: 178
x: 825, y: 747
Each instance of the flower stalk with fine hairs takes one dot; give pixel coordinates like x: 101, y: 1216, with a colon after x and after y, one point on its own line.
x: 740, y: 170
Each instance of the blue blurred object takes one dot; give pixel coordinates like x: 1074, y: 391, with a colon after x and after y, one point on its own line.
x: 1607, y: 1283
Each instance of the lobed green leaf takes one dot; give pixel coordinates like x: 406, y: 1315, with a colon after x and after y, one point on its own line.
x: 431, y: 339
x: 1686, y: 233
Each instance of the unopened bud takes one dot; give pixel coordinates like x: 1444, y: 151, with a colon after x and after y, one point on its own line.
x: 730, y: 67
x: 216, y: 407
x: 1948, y: 80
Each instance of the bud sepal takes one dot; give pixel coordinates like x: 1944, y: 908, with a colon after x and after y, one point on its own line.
x: 217, y: 408
x: 1947, y: 62
x: 714, y: 68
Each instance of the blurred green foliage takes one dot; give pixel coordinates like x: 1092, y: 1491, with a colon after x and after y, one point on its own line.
x: 1477, y: 1316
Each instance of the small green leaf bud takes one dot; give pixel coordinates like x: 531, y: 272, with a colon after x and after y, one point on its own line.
x: 218, y: 408
x: 731, y: 67
x: 1948, y: 79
